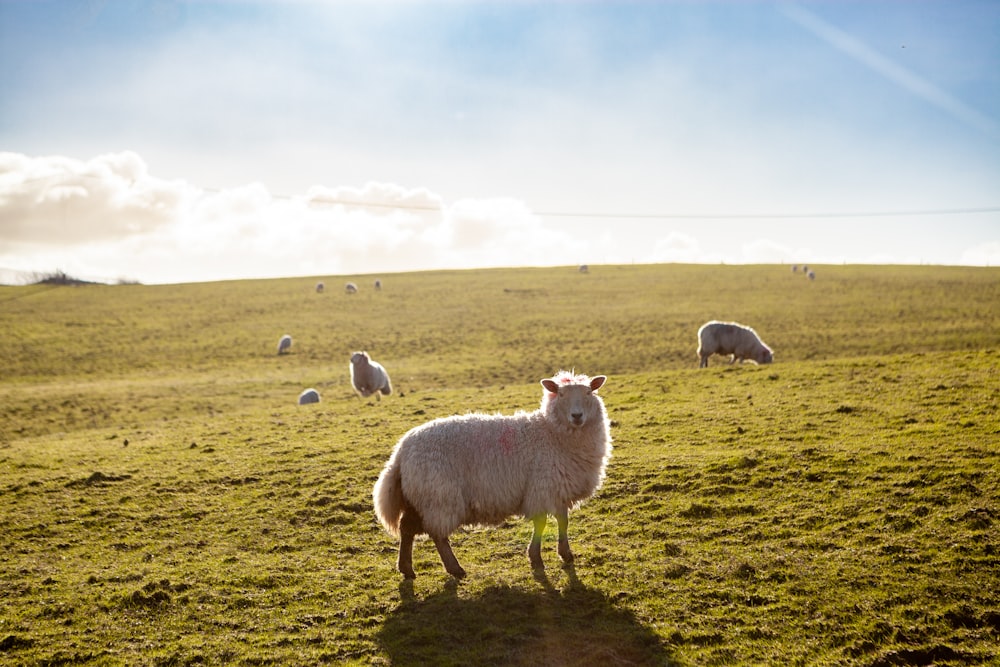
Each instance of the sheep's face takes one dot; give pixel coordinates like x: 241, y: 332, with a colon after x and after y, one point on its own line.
x: 570, y: 399
x: 358, y: 357
x: 765, y: 356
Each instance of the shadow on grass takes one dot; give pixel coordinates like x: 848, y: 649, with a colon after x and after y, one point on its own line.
x: 504, y: 626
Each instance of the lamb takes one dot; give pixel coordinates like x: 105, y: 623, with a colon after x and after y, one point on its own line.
x: 309, y: 396
x: 478, y: 469
x: 369, y: 377
x: 285, y: 344
x: 731, y: 338
x: 351, y: 288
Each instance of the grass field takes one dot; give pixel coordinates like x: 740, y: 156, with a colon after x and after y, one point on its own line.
x: 164, y: 501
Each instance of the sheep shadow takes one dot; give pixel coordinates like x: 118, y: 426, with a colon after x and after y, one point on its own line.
x: 505, y: 626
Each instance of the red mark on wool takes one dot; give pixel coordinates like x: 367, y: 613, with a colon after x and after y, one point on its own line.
x: 508, y: 440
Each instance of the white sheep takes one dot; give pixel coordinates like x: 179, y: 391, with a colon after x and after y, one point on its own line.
x: 812, y: 275
x: 478, y: 469
x: 285, y: 344
x: 309, y: 396
x: 378, y: 285
x: 731, y: 338
x: 351, y: 288
x: 320, y: 287
x: 583, y: 268
x: 369, y: 377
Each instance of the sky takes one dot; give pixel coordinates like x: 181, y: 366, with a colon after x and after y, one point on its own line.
x: 167, y: 141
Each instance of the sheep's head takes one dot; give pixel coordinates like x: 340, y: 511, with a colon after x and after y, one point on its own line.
x: 359, y: 357
x: 571, y: 399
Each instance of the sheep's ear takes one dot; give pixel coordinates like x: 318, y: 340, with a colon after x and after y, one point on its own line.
x: 597, y: 382
x: 550, y: 386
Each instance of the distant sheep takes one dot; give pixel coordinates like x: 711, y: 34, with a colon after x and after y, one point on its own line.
x: 285, y: 344
x: 583, y: 268
x: 812, y: 275
x: 368, y: 377
x: 320, y: 287
x: 795, y: 268
x: 309, y: 396
x: 478, y: 469
x: 731, y: 338
x: 378, y: 285
x: 351, y: 288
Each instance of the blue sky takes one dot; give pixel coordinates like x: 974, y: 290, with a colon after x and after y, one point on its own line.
x: 170, y: 141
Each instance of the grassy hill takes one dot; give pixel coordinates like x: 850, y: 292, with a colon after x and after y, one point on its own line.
x: 163, y: 500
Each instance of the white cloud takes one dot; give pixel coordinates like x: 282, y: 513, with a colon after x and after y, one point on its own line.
x: 114, y: 220
x: 983, y: 254
x: 62, y: 201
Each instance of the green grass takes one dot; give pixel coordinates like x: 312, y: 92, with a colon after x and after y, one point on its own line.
x: 163, y: 500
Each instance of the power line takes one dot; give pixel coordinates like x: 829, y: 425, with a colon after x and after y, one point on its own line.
x: 805, y: 215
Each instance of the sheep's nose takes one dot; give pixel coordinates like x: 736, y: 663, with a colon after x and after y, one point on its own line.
x: 577, y: 417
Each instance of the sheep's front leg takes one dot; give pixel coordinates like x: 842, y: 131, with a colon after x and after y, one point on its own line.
x: 448, y: 557
x: 535, y: 546
x: 562, y: 518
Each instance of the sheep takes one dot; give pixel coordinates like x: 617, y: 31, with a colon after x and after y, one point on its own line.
x: 478, y: 469
x: 812, y: 275
x: 309, y: 396
x: 378, y: 285
x: 369, y: 377
x: 351, y: 288
x: 285, y: 344
x: 731, y: 338
x: 320, y: 287
x: 795, y: 268
x: 583, y: 268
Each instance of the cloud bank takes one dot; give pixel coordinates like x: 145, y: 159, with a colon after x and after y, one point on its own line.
x: 109, y: 218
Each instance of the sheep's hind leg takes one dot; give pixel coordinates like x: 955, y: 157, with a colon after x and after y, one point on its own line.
x: 448, y: 557
x: 562, y: 518
x: 535, y: 546
x: 410, y: 526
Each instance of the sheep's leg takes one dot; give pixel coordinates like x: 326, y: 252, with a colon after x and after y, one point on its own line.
x: 562, y: 518
x: 410, y: 526
x: 704, y: 363
x: 448, y: 557
x: 535, y: 546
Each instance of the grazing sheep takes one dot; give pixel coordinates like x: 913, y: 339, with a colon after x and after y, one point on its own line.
x: 368, y: 377
x: 309, y: 396
x: 805, y: 269
x: 351, y: 288
x: 812, y: 275
x: 731, y: 338
x: 320, y: 287
x: 583, y: 268
x: 795, y: 268
x: 378, y: 285
x: 285, y: 344
x: 478, y: 469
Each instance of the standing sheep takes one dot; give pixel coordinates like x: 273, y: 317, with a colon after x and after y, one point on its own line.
x: 285, y: 344
x: 368, y: 377
x: 378, y: 285
x: 320, y: 287
x: 731, y: 338
x: 478, y: 469
x: 351, y: 288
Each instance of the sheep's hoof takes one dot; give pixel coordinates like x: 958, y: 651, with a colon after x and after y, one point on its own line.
x: 457, y: 573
